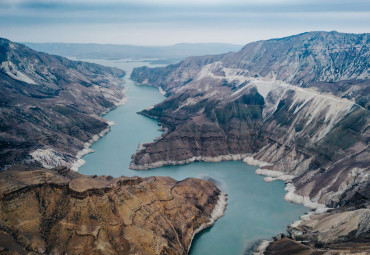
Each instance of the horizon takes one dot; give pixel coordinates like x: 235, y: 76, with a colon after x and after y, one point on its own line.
x: 165, y: 23
x: 185, y: 43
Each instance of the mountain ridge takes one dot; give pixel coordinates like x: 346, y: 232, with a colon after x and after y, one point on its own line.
x: 50, y: 113
x: 51, y: 105
x: 301, y: 115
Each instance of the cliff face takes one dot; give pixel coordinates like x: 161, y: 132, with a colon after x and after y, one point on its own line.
x: 51, y: 106
x: 298, y: 107
x: 60, y: 211
x: 301, y: 60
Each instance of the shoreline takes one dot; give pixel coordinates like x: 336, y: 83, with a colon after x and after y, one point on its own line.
x: 247, y: 158
x: 86, y: 150
x: 290, y: 196
x: 50, y: 158
x: 217, y: 213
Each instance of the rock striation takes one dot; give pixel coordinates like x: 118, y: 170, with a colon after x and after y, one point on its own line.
x: 51, y: 106
x: 298, y: 107
x: 59, y: 211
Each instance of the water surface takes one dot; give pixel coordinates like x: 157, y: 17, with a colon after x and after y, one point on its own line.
x: 255, y: 210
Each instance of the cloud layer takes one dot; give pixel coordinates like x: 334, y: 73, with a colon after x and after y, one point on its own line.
x: 166, y: 22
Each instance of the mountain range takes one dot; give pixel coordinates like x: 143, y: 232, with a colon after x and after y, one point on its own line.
x: 298, y: 107
x: 157, y: 54
x: 51, y: 111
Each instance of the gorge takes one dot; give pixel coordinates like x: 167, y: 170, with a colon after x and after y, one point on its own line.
x: 298, y: 107
x: 295, y: 107
x: 256, y: 209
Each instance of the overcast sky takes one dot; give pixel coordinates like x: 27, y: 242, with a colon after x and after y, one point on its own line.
x: 164, y: 22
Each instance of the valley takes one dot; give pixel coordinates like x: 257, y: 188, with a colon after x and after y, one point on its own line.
x: 294, y: 110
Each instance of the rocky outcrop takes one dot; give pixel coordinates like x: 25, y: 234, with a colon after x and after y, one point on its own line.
x: 62, y: 212
x: 339, y: 231
x: 51, y: 106
x: 298, y: 107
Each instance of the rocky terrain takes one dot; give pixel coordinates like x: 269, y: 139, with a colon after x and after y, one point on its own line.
x: 51, y: 107
x: 59, y: 211
x: 297, y: 107
x: 51, y: 111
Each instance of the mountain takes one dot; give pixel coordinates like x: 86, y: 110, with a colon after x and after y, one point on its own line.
x: 298, y: 107
x: 115, y: 51
x: 51, y: 106
x: 50, y: 112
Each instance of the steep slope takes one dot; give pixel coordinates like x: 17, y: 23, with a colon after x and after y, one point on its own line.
x: 51, y: 106
x: 298, y: 107
x: 303, y: 60
x: 62, y: 212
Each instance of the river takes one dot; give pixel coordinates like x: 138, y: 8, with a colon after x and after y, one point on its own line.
x: 255, y: 210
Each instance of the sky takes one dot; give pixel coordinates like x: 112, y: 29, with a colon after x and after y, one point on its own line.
x: 166, y: 22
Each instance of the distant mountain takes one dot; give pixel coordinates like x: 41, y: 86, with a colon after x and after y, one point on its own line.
x: 113, y: 51
x: 51, y: 106
x: 298, y: 107
x: 305, y: 59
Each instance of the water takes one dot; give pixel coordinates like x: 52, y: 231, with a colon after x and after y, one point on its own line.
x: 255, y: 210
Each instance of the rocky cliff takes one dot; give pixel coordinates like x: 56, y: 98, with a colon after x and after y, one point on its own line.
x: 298, y: 107
x: 51, y: 106
x: 51, y: 111
x: 62, y: 212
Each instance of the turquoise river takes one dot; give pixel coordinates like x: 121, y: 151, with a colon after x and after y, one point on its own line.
x: 256, y: 209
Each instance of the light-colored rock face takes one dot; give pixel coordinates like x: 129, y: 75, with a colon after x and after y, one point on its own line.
x: 45, y: 212
x: 298, y: 103
x: 333, y: 227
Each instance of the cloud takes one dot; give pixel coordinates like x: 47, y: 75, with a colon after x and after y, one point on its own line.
x: 191, y: 20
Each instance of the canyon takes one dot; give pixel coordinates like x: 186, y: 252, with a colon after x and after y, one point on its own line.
x: 297, y: 107
x: 51, y: 113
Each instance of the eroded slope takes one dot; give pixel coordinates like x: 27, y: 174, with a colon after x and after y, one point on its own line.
x: 60, y: 211
x: 50, y: 106
x: 298, y: 107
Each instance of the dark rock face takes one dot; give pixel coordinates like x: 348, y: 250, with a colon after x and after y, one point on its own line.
x: 299, y: 103
x: 62, y: 212
x: 51, y: 103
